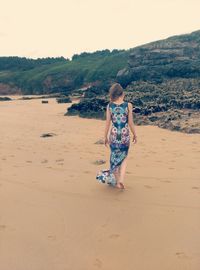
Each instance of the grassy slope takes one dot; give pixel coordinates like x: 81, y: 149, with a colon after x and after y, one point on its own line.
x: 91, y: 67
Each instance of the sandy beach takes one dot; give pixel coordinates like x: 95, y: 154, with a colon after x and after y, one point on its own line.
x: 54, y: 215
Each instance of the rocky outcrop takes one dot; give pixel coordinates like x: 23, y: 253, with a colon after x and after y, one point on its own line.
x: 174, y: 57
x: 55, y: 95
x: 185, y: 120
x: 89, y: 107
x: 64, y: 100
x: 5, y: 99
x: 9, y: 89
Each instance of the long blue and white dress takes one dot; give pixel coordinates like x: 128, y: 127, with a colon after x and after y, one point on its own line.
x: 119, y: 141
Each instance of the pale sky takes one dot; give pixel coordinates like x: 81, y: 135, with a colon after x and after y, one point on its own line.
x: 51, y: 28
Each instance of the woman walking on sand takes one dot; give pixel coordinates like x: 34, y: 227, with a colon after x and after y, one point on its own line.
x: 120, y: 115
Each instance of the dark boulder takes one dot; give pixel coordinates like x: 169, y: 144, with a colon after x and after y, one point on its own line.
x: 64, y: 100
x: 5, y: 99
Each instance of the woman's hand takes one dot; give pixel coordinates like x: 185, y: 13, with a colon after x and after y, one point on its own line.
x: 106, y: 141
x: 134, y: 139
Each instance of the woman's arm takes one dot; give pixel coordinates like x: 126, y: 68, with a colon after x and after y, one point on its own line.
x: 130, y: 120
x: 108, y: 121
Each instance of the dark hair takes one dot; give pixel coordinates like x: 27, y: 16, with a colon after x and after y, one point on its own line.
x: 115, y: 91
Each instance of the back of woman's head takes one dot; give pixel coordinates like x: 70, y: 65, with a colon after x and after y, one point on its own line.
x: 116, y: 91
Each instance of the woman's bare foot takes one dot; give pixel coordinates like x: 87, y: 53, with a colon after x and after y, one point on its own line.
x: 120, y: 185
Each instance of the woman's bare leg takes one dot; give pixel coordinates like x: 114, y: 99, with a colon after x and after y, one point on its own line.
x: 117, y: 177
x: 122, y: 170
x: 116, y: 174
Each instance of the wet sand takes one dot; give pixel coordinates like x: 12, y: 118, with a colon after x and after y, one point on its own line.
x: 54, y: 215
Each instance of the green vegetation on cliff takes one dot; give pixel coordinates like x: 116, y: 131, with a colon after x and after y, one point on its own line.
x: 50, y: 75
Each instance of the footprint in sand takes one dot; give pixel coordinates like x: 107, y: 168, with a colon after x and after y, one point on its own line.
x: 86, y: 172
x: 99, y: 162
x: 34, y: 181
x: 44, y: 161
x: 181, y: 255
x: 152, y: 152
x: 114, y: 236
x: 166, y: 181
x: 194, y: 142
x: 58, y: 160
x: 2, y: 227
x: 98, y: 263
x: 52, y: 237
x: 147, y: 186
x: 100, y: 141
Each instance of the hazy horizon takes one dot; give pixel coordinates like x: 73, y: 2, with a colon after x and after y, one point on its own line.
x: 35, y: 29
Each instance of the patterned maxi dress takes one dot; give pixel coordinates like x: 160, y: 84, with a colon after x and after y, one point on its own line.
x: 119, y: 141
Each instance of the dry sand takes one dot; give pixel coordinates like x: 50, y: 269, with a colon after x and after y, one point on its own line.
x: 54, y: 215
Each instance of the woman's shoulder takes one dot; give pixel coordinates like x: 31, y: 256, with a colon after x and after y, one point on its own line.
x: 110, y: 104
